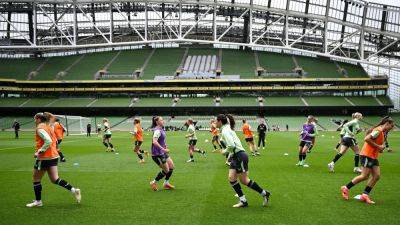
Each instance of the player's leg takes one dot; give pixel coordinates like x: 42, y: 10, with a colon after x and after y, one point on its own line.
x: 171, y: 166
x: 244, y: 179
x: 161, y: 162
x: 375, y: 176
x: 362, y: 177
x: 136, y: 149
x: 52, y: 172
x: 311, y: 146
x: 105, y: 143
x: 110, y: 144
x: 37, y: 186
x: 254, y: 147
x: 343, y: 150
x: 215, y: 143
x: 304, y: 151
x: 194, y: 149
x: 356, y: 151
x: 190, y: 149
x: 232, y: 177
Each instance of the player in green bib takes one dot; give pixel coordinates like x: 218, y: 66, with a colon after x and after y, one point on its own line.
x: 107, y: 136
x: 350, y: 128
x: 191, y: 135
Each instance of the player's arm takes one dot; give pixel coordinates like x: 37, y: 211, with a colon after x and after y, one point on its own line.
x: 315, y: 132
x: 46, y: 138
x: 229, y: 142
x: 370, y: 140
x: 347, y: 125
x: 134, y: 130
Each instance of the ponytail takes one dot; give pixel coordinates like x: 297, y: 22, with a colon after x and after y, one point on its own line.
x: 154, y: 121
x: 231, y: 121
x: 227, y: 119
x: 384, y: 120
x: 48, y: 116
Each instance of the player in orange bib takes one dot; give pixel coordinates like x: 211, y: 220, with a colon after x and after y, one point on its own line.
x: 138, y: 134
x: 46, y: 159
x: 215, y: 136
x: 248, y: 134
x: 59, y: 130
x: 373, y: 145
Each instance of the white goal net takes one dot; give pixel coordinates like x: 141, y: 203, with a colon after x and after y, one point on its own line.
x: 75, y: 125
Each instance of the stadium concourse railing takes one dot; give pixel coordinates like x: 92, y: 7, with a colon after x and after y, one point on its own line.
x: 212, y: 86
x: 200, y: 110
x: 277, y: 87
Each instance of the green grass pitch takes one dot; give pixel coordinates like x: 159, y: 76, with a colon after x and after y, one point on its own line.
x: 115, y: 188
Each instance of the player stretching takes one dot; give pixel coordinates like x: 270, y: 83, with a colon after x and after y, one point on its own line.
x: 138, y: 133
x: 215, y: 136
x: 351, y: 129
x: 239, y: 163
x: 373, y: 145
x: 249, y: 138
x: 107, y: 136
x: 191, y: 130
x: 309, y: 131
x: 46, y: 159
x: 59, y: 130
x: 159, y: 154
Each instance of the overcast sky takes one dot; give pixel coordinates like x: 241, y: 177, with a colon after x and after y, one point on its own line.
x: 387, y: 2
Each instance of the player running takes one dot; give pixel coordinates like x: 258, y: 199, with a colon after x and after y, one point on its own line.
x: 191, y: 135
x: 160, y: 154
x: 215, y: 136
x: 239, y: 163
x: 309, y: 131
x: 46, y: 159
x: 107, y: 136
x: 374, y: 143
x: 246, y: 128
x: 138, y: 134
x: 351, y: 129
x: 59, y: 130
x: 342, y: 132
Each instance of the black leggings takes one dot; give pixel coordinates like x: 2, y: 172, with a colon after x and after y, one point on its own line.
x: 261, y: 139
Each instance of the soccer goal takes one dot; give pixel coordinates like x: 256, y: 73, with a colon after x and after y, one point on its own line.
x: 74, y: 125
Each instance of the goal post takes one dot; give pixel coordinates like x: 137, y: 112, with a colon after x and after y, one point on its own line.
x: 74, y: 125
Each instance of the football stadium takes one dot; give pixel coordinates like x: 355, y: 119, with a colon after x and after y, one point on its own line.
x: 199, y: 112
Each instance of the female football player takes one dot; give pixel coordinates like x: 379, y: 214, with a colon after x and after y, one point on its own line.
x: 308, y: 133
x: 160, y: 154
x: 107, y: 136
x: 46, y: 159
x: 191, y: 135
x: 374, y: 143
x: 349, y: 141
x: 138, y: 134
x: 239, y: 164
x: 249, y: 138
